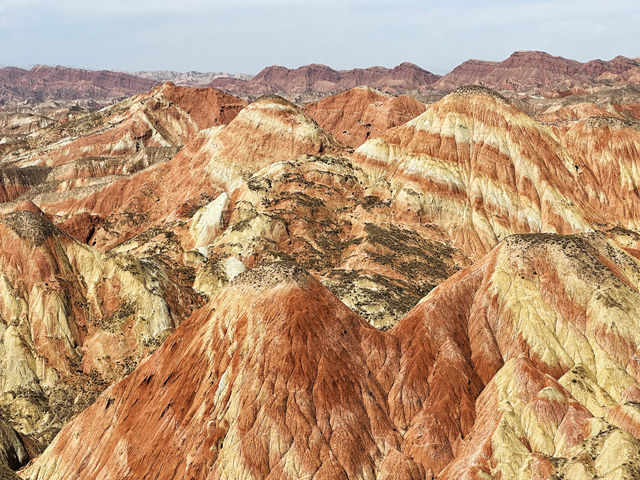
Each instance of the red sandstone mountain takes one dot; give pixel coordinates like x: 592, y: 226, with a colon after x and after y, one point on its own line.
x: 76, y: 319
x: 43, y: 82
x: 321, y: 78
x: 481, y: 170
x: 116, y: 224
x: 360, y: 113
x: 86, y: 317
x: 468, y: 384
x: 523, y: 71
x: 539, y: 71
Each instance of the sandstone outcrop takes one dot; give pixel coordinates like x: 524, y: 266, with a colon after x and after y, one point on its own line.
x: 321, y: 78
x: 481, y: 170
x: 475, y: 382
x: 606, y: 153
x: 255, y: 251
x: 324, y: 213
x: 357, y: 114
x: 533, y: 71
x: 73, y: 320
x: 43, y: 82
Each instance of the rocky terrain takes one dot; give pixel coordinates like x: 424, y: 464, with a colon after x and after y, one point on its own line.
x: 362, y: 112
x: 188, y: 79
x: 322, y: 79
x: 193, y: 285
x: 525, y: 75
x: 539, y: 72
x: 43, y: 82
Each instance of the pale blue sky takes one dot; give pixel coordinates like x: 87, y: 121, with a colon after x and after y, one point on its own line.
x: 246, y: 35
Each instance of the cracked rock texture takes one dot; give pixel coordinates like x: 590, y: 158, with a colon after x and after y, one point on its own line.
x: 512, y: 368
x: 456, y: 298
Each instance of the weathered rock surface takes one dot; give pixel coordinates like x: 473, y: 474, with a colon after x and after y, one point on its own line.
x: 512, y: 368
x: 321, y: 78
x: 115, y: 225
x: 325, y: 214
x: 606, y: 153
x: 533, y: 71
x: 480, y: 169
x: 73, y: 320
x: 43, y: 82
x: 357, y: 114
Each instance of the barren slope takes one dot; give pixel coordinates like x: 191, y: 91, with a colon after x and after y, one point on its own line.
x: 284, y: 381
x: 481, y: 169
x: 357, y: 114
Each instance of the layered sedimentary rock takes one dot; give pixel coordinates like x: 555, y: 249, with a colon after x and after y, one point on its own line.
x: 324, y: 213
x: 43, y: 82
x: 116, y: 225
x: 321, y: 78
x: 565, y: 114
x: 475, y: 382
x: 357, y: 114
x: 476, y: 166
x: 78, y: 172
x: 606, y: 153
x: 532, y: 71
x: 73, y: 319
x: 166, y: 196
x: 105, y: 311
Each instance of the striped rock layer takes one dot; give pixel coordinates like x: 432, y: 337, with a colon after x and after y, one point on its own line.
x: 357, y: 114
x: 74, y: 320
x: 521, y: 366
x: 116, y: 225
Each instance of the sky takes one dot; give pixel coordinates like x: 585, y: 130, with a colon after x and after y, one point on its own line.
x: 247, y: 35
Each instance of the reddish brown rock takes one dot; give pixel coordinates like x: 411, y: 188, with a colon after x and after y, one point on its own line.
x: 321, y: 78
x: 73, y: 319
x: 357, y: 114
x: 276, y: 357
x: 43, y: 82
x: 522, y: 365
x: 324, y: 213
x: 480, y: 169
x: 532, y: 71
x: 606, y: 152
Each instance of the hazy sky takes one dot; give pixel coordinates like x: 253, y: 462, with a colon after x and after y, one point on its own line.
x: 246, y: 35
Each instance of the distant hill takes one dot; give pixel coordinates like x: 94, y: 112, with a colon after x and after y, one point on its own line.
x: 44, y: 82
x: 189, y: 79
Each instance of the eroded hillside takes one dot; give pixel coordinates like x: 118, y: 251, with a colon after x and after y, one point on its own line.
x: 455, y: 298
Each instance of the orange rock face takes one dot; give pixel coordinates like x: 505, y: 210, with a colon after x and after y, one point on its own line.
x: 355, y: 115
x: 321, y: 78
x: 468, y: 382
x: 63, y: 83
x: 481, y: 170
x: 606, y: 151
x: 190, y: 287
x: 74, y: 320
